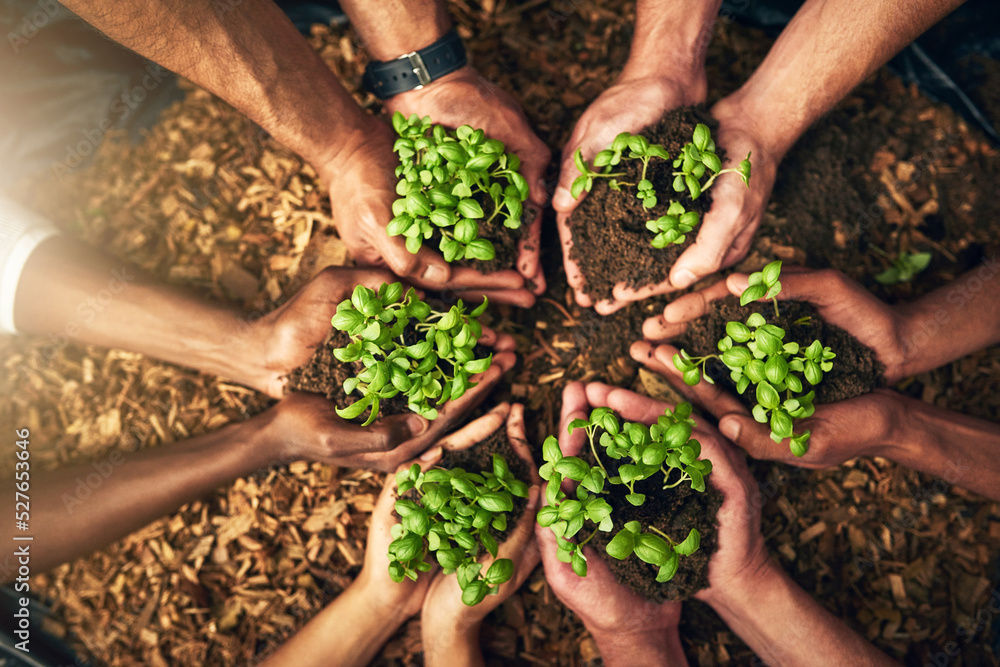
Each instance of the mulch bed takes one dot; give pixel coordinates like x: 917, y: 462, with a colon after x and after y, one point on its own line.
x: 210, y: 202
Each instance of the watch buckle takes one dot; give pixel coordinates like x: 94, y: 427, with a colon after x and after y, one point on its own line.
x: 419, y: 68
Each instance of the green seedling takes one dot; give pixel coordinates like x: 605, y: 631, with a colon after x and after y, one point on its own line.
x: 757, y: 354
x: 696, y: 169
x: 452, y: 515
x: 433, y: 365
x: 445, y: 179
x: 635, y: 453
x: 904, y: 268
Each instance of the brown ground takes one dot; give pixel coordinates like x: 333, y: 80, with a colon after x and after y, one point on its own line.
x: 210, y: 202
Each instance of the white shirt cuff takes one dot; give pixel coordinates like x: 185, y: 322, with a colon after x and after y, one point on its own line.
x: 21, y: 231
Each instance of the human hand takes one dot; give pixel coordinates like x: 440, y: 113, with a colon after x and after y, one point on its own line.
x: 288, y: 337
x: 446, y: 621
x: 741, y: 553
x: 628, y: 629
x: 869, y: 425
x: 362, y: 183
x: 464, y: 97
x: 631, y: 104
x: 306, y: 427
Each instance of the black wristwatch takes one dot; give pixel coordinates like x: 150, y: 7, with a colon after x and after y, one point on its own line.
x: 413, y: 71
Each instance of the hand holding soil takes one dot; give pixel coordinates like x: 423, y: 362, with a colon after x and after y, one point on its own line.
x: 464, y: 97
x: 449, y: 626
x: 628, y: 106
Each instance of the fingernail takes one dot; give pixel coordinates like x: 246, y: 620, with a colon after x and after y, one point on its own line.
x: 435, y: 273
x: 731, y: 428
x: 562, y: 199
x: 431, y: 454
x: 416, y: 424
x: 683, y: 279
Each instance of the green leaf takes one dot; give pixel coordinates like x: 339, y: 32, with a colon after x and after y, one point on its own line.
x: 771, y: 272
x: 470, y: 208
x: 652, y: 549
x: 490, y: 544
x: 480, y: 249
x: 496, y: 502
x: 736, y: 357
x: 355, y: 409
x: 669, y: 569
x: 407, y: 547
x: 572, y: 467
x: 547, y: 516
x: 477, y: 366
x: 702, y: 135
x: 621, y: 545
x: 474, y: 593
x: 813, y: 372
x: 776, y: 369
x: 581, y: 166
x: 767, y: 395
x: 579, y: 564
x: 711, y: 161
x: 781, y: 424
x: 690, y: 543
x: 693, y: 186
x: 682, y: 362
x: 550, y: 449
x: 800, y: 444
x: 738, y: 331
x: 751, y: 294
x: 636, y: 499
x: 499, y: 572
x: 692, y: 377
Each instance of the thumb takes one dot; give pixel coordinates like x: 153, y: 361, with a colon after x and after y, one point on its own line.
x: 383, y: 436
x: 752, y: 437
x: 425, y: 267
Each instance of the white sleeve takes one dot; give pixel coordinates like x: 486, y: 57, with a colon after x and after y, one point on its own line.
x: 21, y: 231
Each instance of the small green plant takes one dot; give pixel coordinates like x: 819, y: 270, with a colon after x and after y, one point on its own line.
x: 406, y: 347
x: 451, y: 514
x: 696, y: 160
x: 756, y: 353
x: 903, y: 268
x: 445, y: 179
x: 664, y: 452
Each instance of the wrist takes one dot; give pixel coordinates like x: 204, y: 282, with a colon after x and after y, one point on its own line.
x: 740, y: 590
x: 772, y: 133
x: 650, y: 646
x: 386, y: 599
x: 449, y: 641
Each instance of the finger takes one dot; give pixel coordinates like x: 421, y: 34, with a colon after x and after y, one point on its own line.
x: 609, y: 306
x: 476, y: 431
x: 528, y: 249
x: 657, y: 329
x: 467, y: 278
x: 753, y: 438
x: 426, y: 268
x: 712, y: 397
x: 622, y: 292
x: 535, y: 159
x: 505, y: 343
x: 718, y: 232
x: 521, y: 298
x: 574, y: 276
x: 574, y: 405
x: 489, y: 337
x: 519, y: 441
x: 816, y: 287
x: 636, y: 407
x: 696, y: 304
x: 597, y: 393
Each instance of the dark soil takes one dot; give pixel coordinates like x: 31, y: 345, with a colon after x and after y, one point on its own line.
x: 610, y: 240
x: 673, y: 511
x: 855, y: 371
x: 479, y: 458
x: 504, y: 239
x: 324, y: 375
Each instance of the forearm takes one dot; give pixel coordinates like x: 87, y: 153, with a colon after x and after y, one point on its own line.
x: 451, y: 645
x: 619, y: 649
x: 952, y: 321
x: 786, y: 627
x: 390, y: 29
x: 248, y: 53
x: 78, y: 509
x: 70, y: 292
x: 671, y: 39
x: 829, y: 47
x: 348, y: 632
x: 959, y: 449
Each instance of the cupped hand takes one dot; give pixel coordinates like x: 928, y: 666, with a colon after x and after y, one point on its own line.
x: 838, y: 299
x: 741, y: 553
x: 445, y: 616
x: 865, y: 426
x: 614, y: 615
x: 306, y: 426
x: 464, y: 97
x: 630, y: 105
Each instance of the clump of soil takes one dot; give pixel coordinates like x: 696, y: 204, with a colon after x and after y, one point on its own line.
x: 325, y: 375
x: 610, y: 240
x: 675, y: 512
x: 479, y: 458
x: 856, y: 371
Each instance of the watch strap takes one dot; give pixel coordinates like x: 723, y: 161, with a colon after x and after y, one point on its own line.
x: 414, y: 70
